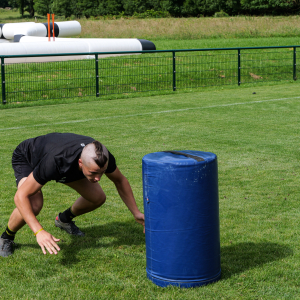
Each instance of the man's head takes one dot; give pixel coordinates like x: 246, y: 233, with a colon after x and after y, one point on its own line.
x: 93, y: 161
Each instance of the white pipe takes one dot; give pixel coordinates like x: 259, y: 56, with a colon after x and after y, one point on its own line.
x: 8, y: 30
x: 68, y: 28
x: 32, y: 39
x: 32, y: 30
x: 112, y: 45
x: 95, y: 45
x: 43, y: 48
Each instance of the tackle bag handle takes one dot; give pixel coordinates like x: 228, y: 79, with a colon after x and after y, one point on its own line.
x: 197, y: 158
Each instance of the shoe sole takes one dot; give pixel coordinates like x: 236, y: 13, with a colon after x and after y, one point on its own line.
x: 64, y: 229
x: 6, y: 254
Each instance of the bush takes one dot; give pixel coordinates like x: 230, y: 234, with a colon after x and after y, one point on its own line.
x: 151, y: 14
x: 221, y: 14
x: 160, y: 8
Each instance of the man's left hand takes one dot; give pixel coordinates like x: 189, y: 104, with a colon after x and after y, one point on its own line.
x: 140, y: 218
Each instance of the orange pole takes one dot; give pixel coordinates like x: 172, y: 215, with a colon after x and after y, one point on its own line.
x: 48, y: 16
x: 53, y: 27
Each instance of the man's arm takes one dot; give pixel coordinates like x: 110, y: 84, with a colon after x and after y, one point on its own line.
x: 22, y: 201
x: 126, y: 194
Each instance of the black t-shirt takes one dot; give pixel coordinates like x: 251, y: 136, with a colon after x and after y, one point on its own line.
x: 55, y: 156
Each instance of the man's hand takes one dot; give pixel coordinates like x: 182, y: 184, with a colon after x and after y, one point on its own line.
x: 47, y: 241
x: 140, y: 218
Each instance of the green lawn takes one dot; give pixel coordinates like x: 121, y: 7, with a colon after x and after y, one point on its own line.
x: 256, y: 139
x: 225, y: 43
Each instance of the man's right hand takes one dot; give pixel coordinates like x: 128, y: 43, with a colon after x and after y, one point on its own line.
x: 47, y: 242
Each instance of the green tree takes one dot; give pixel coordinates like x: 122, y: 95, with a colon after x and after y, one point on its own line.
x: 277, y: 7
x: 21, y: 6
x: 42, y: 7
x: 65, y: 8
x: 233, y: 7
x: 202, y: 7
x: 26, y: 5
x: 4, y: 3
x: 29, y: 7
x: 88, y: 8
x: 110, y: 7
x: 174, y: 7
x: 13, y: 3
x: 140, y: 6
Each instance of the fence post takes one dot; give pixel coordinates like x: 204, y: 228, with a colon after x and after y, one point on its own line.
x: 294, y: 65
x: 3, y: 80
x: 174, y: 71
x: 239, y: 66
x: 97, y: 75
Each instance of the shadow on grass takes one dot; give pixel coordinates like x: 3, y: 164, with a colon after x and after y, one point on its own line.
x: 235, y: 259
x: 110, y: 235
x: 241, y: 257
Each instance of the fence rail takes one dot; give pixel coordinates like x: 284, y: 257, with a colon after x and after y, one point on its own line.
x: 151, y: 71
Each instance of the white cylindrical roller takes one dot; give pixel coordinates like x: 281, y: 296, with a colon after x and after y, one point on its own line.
x: 109, y: 45
x: 115, y: 45
x: 43, y: 48
x: 32, y: 30
x: 8, y: 30
x: 68, y: 28
x: 95, y: 45
x: 41, y: 45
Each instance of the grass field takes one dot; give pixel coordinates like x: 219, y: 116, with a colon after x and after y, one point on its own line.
x: 255, y: 137
x: 253, y: 130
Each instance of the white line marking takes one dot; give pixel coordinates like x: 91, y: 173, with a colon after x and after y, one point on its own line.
x: 149, y: 113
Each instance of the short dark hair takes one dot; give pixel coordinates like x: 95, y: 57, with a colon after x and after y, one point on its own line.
x: 100, y: 158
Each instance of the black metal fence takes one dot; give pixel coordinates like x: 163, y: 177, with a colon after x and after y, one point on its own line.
x: 150, y: 71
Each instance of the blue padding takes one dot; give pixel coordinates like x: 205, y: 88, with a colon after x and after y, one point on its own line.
x: 181, y: 218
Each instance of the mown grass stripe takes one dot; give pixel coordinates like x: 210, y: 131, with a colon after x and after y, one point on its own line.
x: 149, y: 113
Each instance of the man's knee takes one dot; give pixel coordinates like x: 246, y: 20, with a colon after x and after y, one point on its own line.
x: 96, y: 200
x: 36, y: 200
x: 100, y: 200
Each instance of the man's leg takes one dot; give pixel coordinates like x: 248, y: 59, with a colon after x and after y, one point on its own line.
x: 16, y: 222
x: 91, y: 197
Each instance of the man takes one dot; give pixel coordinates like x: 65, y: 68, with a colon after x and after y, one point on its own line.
x: 74, y: 160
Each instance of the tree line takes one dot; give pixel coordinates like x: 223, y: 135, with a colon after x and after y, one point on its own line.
x: 174, y: 8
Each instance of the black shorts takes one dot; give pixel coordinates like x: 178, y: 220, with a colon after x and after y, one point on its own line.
x: 20, y: 165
